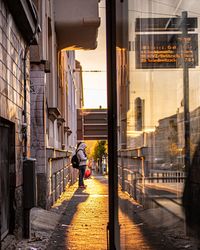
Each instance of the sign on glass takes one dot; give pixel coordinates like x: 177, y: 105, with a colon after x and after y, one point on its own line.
x: 166, y: 51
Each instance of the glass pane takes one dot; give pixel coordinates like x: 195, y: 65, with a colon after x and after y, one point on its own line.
x: 159, y: 125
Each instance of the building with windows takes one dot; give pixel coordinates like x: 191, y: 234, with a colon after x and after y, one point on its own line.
x: 18, y: 30
x: 40, y: 91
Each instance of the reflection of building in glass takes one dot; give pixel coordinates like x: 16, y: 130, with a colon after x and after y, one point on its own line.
x: 139, y: 113
x: 165, y: 145
x: 164, y: 131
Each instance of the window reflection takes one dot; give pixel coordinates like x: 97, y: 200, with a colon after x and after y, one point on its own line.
x: 162, y: 116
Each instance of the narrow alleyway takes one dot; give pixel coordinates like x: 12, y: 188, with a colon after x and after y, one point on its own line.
x: 79, y: 219
x: 85, y: 217
x: 84, y: 221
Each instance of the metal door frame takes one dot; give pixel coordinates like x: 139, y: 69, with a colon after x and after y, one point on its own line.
x: 11, y: 174
x: 3, y: 126
x: 113, y: 224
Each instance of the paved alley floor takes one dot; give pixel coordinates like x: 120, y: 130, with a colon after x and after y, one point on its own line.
x: 83, y: 224
x: 81, y: 216
x: 84, y: 221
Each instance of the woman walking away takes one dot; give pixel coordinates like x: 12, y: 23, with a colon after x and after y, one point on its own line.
x: 81, y: 154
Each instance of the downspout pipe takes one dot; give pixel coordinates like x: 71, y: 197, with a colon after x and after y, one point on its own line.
x: 24, y: 113
x: 24, y: 125
x: 29, y: 200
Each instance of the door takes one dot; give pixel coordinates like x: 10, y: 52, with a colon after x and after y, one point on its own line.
x: 153, y: 70
x: 4, y: 163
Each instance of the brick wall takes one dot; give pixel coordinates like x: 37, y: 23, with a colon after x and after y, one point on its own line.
x: 12, y: 48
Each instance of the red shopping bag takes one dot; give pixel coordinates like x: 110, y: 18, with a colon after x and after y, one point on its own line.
x: 87, y: 173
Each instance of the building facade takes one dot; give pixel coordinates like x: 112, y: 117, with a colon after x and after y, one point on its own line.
x: 40, y: 91
x: 57, y: 92
x: 15, y: 133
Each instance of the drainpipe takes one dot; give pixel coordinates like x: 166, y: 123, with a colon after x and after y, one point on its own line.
x: 24, y: 113
x: 29, y: 174
x: 24, y: 125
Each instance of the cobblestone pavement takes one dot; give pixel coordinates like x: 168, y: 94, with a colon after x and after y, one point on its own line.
x: 83, y: 217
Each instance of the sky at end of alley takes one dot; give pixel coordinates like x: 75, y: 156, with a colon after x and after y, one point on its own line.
x: 94, y: 68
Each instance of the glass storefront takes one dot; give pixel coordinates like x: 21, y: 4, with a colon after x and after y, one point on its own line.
x: 158, y: 81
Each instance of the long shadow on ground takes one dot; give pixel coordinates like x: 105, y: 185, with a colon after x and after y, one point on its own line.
x: 59, y: 237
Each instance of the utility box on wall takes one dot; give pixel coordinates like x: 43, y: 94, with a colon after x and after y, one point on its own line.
x: 29, y: 183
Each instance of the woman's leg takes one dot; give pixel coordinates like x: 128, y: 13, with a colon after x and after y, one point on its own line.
x: 81, y: 175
